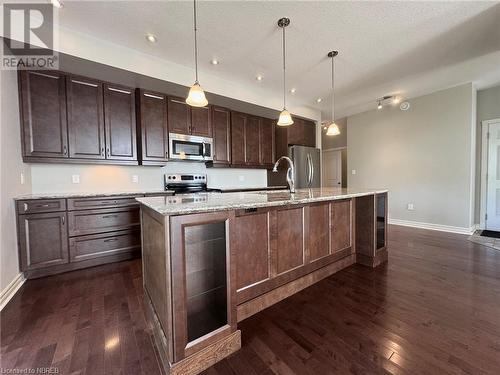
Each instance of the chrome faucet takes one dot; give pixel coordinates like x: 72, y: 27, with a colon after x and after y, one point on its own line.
x: 290, y: 173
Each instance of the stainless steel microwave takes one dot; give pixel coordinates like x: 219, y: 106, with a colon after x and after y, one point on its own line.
x: 190, y: 147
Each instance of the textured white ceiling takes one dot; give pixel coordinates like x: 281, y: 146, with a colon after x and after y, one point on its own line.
x: 407, y: 48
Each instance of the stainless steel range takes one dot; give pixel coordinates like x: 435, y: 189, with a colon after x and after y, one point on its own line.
x: 186, y: 183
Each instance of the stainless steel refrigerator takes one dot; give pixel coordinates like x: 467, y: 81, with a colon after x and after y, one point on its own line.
x: 307, y: 164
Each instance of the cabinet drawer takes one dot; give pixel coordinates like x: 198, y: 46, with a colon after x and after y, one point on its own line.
x: 104, y: 220
x: 104, y: 244
x: 41, y: 205
x: 102, y: 202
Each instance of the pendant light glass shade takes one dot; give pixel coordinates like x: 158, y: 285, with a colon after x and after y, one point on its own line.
x: 333, y: 129
x: 196, y: 97
x: 285, y: 118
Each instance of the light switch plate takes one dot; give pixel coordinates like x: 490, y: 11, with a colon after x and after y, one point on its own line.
x: 135, y: 178
x: 75, y: 178
x: 410, y: 207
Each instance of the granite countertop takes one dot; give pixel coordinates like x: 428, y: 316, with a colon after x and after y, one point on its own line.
x: 210, y: 202
x: 89, y: 195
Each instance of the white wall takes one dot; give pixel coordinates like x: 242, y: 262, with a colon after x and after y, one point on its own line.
x: 423, y: 156
x: 11, y: 169
x: 57, y: 178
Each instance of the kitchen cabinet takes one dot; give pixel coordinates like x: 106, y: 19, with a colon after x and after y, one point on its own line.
x: 179, y: 116
x: 64, y: 234
x: 252, y: 262
x: 43, y: 240
x: 238, y: 150
x: 202, y: 281
x: 119, y: 117
x: 72, y: 119
x: 252, y: 141
x: 201, y: 121
x: 341, y: 225
x: 153, y: 127
x: 290, y: 239
x: 184, y: 119
x: 266, y: 140
x: 319, y: 229
x: 302, y: 133
x: 85, y: 118
x: 371, y: 229
x: 221, y: 131
x: 44, y: 125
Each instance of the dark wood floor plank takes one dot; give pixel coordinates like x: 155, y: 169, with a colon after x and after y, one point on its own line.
x: 433, y: 309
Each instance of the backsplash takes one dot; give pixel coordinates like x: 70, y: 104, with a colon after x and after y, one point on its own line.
x: 58, y: 178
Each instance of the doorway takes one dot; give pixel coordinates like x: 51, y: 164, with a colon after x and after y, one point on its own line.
x: 332, y: 167
x: 490, y: 175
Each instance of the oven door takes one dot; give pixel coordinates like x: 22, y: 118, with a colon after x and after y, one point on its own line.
x: 186, y: 147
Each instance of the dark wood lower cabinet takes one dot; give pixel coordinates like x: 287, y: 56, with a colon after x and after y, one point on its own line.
x: 59, y: 235
x: 43, y: 240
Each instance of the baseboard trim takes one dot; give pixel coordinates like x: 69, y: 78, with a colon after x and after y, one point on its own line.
x: 11, y: 289
x: 438, y: 227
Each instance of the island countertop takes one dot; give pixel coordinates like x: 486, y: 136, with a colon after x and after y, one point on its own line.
x: 211, y: 202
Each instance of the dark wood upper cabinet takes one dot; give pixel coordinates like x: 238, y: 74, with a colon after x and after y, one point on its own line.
x: 119, y: 119
x: 266, y: 134
x: 221, y: 131
x: 179, y: 116
x: 302, y: 133
x: 252, y: 140
x: 238, y: 124
x: 201, y: 122
x: 43, y: 240
x: 43, y: 114
x: 153, y: 127
x: 85, y: 118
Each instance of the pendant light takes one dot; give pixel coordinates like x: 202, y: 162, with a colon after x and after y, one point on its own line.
x: 333, y: 128
x: 285, y: 118
x: 196, y: 96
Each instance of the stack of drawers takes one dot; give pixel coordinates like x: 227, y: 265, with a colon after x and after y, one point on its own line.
x: 58, y: 235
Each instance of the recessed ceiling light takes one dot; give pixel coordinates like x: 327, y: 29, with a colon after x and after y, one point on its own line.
x: 214, y: 62
x: 319, y: 100
x: 57, y: 3
x: 259, y: 78
x: 292, y: 90
x: 151, y: 38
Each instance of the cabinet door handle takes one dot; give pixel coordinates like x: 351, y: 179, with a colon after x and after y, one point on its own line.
x: 63, y: 220
x: 154, y: 96
x: 108, y: 216
x: 84, y: 83
x: 118, y: 90
x: 65, y: 150
x: 177, y: 101
x: 111, y: 240
x: 107, y: 151
x: 102, y: 151
x: 25, y: 207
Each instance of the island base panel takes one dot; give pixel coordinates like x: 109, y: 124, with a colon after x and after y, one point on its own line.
x: 268, y: 299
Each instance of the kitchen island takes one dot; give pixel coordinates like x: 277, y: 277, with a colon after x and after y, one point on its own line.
x: 211, y: 260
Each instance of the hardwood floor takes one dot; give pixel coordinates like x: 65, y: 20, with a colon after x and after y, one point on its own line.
x: 433, y: 309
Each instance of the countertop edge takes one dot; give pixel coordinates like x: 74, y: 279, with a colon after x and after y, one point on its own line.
x: 87, y: 195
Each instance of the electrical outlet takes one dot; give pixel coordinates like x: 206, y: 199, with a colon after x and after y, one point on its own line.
x: 409, y: 207
x: 241, y: 178
x: 135, y: 178
x: 353, y: 171
x: 75, y: 178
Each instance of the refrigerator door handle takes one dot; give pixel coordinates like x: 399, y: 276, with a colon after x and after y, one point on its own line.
x: 312, y: 171
x: 309, y: 170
